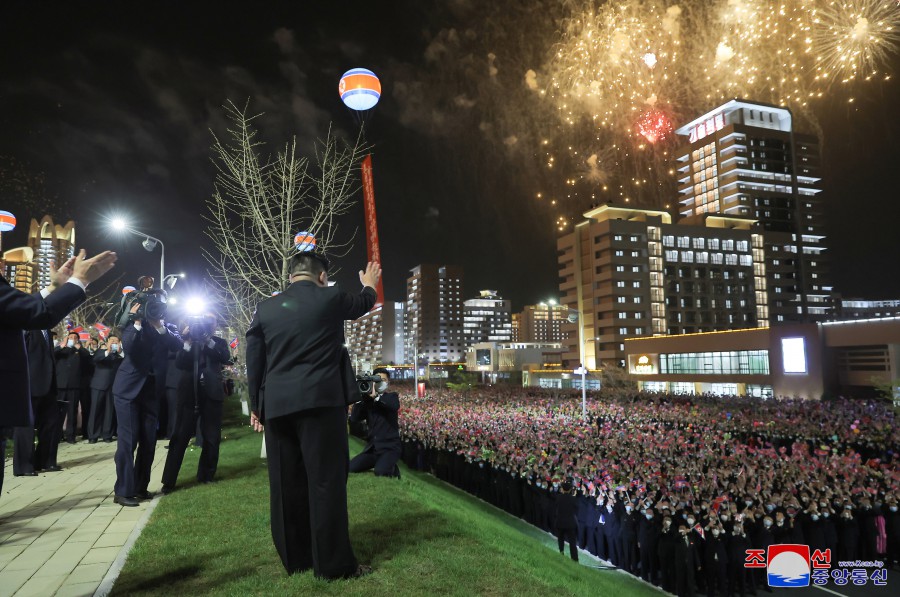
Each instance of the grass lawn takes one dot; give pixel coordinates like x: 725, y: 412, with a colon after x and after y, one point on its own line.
x: 421, y: 536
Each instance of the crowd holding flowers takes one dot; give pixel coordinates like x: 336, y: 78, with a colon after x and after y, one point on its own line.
x: 662, y: 477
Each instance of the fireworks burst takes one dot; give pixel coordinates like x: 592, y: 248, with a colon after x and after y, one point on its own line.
x: 854, y: 38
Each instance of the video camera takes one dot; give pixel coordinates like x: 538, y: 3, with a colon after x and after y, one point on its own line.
x: 202, y: 327
x: 151, y: 301
x: 366, y: 382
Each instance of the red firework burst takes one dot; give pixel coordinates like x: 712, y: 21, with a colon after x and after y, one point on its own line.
x: 654, y: 125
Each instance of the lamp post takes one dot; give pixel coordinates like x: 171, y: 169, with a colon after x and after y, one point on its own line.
x: 574, y: 317
x: 149, y: 244
x: 174, y: 278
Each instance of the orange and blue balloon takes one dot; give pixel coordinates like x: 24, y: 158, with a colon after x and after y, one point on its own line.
x: 305, y: 241
x: 7, y: 221
x: 360, y: 89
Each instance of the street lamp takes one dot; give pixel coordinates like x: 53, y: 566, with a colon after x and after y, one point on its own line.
x: 119, y: 224
x: 575, y: 316
x: 174, y: 278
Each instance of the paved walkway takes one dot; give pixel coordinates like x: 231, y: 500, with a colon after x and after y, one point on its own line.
x: 61, y: 533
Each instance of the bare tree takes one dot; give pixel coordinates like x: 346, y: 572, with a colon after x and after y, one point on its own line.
x: 99, y: 307
x: 261, y: 202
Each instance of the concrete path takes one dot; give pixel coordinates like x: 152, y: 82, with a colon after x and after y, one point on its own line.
x: 60, y: 533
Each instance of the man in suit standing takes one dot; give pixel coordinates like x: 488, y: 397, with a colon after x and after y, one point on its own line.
x: 200, y: 398
x: 71, y: 365
x: 300, y: 383
x: 106, y: 364
x: 19, y: 312
x: 135, y: 399
x: 379, y: 410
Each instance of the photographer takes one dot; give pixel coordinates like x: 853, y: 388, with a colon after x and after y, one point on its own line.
x: 146, y: 341
x: 200, y: 394
x: 71, y: 370
x: 379, y: 409
x: 102, y: 417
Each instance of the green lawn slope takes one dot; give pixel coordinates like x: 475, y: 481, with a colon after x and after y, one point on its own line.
x: 421, y: 536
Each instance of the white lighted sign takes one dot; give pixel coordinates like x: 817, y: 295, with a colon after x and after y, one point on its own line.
x: 707, y: 127
x: 793, y: 354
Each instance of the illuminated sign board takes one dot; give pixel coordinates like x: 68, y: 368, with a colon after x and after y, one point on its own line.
x: 793, y: 354
x: 643, y: 366
x: 707, y: 127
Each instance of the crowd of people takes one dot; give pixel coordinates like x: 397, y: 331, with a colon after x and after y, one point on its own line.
x: 674, y: 488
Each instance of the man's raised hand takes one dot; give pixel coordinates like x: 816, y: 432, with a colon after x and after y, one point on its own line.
x: 88, y: 270
x: 371, y: 276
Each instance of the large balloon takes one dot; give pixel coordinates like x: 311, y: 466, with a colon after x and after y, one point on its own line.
x: 305, y: 241
x: 360, y: 89
x: 7, y: 221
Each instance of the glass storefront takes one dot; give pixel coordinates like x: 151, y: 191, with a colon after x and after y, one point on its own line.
x: 743, y: 362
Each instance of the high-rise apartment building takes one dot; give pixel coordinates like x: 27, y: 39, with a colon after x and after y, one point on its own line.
x: 745, y: 159
x: 377, y: 338
x: 487, y: 319
x: 20, y: 270
x: 434, y: 314
x: 51, y: 243
x: 542, y: 323
x: 632, y: 272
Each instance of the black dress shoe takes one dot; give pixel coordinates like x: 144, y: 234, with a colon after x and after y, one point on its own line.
x: 125, y: 501
x: 167, y: 489
x: 92, y: 441
x: 143, y: 495
x: 71, y: 441
x: 31, y: 474
x: 53, y: 469
x: 108, y: 440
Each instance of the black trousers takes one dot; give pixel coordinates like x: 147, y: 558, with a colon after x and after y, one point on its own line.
x: 71, y: 397
x: 137, y: 422
x: 383, y: 461
x: 571, y: 535
x: 308, y: 459
x: 101, y: 422
x: 27, y: 458
x: 209, y: 418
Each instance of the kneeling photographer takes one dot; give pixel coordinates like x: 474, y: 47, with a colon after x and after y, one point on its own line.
x: 200, y: 396
x: 379, y: 409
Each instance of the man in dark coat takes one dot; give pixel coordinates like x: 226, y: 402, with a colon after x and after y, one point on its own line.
x: 200, y: 397
x: 71, y: 365
x: 379, y: 410
x: 300, y: 383
x: 648, y: 543
x: 106, y: 364
x: 42, y: 377
x: 668, y: 537
x: 19, y: 312
x: 685, y: 561
x: 567, y: 520
x: 135, y: 398
x: 715, y: 563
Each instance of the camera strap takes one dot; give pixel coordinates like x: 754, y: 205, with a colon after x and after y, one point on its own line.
x: 197, y: 381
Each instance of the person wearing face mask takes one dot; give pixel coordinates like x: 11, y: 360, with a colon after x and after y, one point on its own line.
x: 668, y: 536
x: 628, y: 537
x: 686, y: 561
x: 739, y: 576
x: 715, y: 562
x: 762, y: 539
x: 813, y: 528
x: 103, y: 413
x: 648, y: 543
x: 868, y: 530
x: 379, y: 409
x: 71, y: 365
x: 892, y: 526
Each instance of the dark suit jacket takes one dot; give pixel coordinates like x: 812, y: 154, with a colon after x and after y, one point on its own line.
x: 71, y: 366
x: 41, y: 364
x: 212, y: 361
x: 296, y: 357
x: 106, y: 364
x: 18, y: 312
x: 142, y: 350
x: 381, y: 416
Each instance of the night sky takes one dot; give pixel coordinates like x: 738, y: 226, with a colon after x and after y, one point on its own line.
x: 105, y: 109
